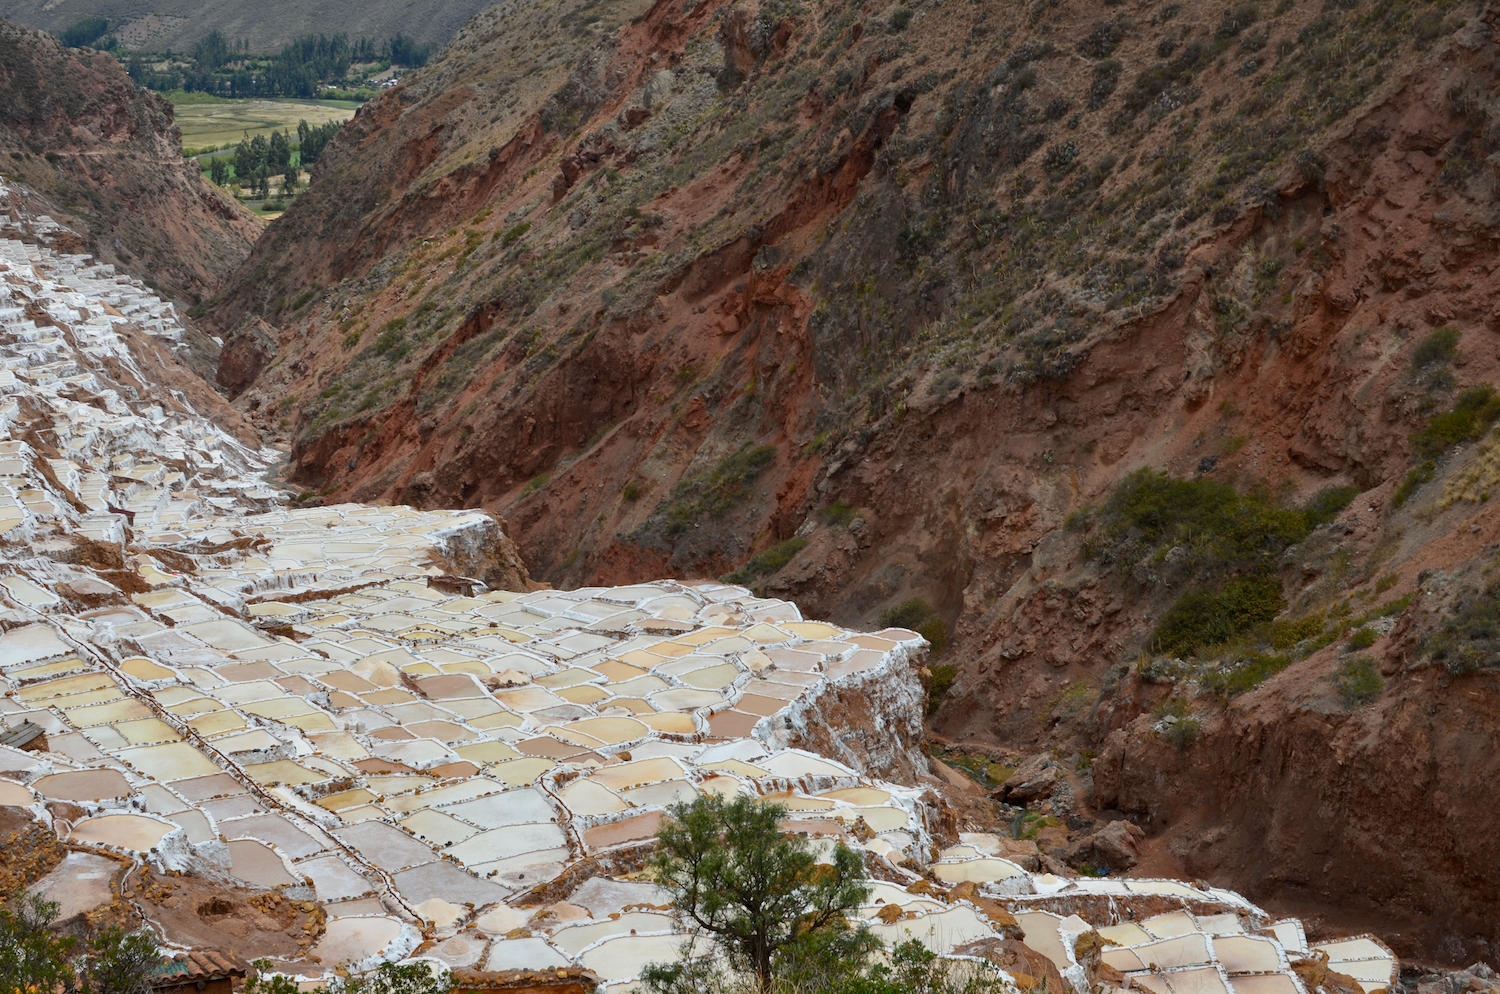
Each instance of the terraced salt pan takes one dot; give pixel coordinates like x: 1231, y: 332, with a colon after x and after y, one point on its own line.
x: 425, y: 752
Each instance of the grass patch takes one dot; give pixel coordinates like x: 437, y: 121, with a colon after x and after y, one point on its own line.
x: 838, y: 514
x: 984, y: 770
x: 918, y: 616
x: 536, y: 483
x: 767, y: 562
x: 1362, y: 638
x: 1358, y: 682
x: 1203, y: 619
x: 713, y: 493
x: 1245, y: 674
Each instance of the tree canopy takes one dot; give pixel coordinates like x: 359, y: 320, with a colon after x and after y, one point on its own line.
x: 758, y: 891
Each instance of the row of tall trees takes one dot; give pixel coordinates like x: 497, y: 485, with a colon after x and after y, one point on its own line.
x: 225, y: 68
x: 256, y: 160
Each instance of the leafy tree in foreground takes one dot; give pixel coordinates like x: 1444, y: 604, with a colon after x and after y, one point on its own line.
x: 32, y: 958
x: 759, y: 893
x: 35, y: 958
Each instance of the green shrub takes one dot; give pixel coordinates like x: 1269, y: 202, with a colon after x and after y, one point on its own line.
x: 1438, y: 347
x: 767, y: 562
x: 632, y: 491
x: 536, y: 483
x: 837, y: 514
x: 918, y: 616
x: 943, y: 675
x: 305, y: 296
x: 1473, y: 413
x: 899, y: 19
x: 391, y: 336
x: 1203, y: 619
x: 1215, y: 524
x: 1183, y: 731
x: 1283, y: 635
x: 1412, y: 481
x: 514, y: 234
x: 1358, y: 682
x: 1327, y: 503
x: 352, y: 339
x: 1362, y: 638
x: 1246, y: 674
x: 1469, y: 639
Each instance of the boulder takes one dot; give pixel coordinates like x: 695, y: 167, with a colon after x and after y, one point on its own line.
x: 1032, y: 781
x: 1115, y: 846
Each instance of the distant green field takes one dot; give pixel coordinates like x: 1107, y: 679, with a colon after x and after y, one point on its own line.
x: 211, y: 121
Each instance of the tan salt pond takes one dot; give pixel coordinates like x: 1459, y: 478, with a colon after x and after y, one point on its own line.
x: 672, y: 723
x: 49, y: 669
x: 858, y: 795
x: 176, y: 761
x: 437, y: 828
x: 146, y: 731
x: 585, y: 797
x: 638, y: 773
x: 626, y: 956
x: 520, y: 772
x: 712, y: 678
x: 609, y: 730
x: 127, y: 831
x: 586, y: 693
x: 101, y: 714
x: 349, y: 940
x: 212, y: 723
x: 283, y: 771
x: 82, y: 785
x: 983, y: 870
x: 81, y: 684
x: 144, y: 669
x: 573, y: 938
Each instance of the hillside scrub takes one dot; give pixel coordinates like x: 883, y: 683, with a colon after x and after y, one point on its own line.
x: 1469, y: 638
x: 1155, y: 522
x: 1473, y: 414
x: 1205, y: 619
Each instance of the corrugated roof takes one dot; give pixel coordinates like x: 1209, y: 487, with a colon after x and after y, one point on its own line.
x: 20, y: 735
x: 199, y: 964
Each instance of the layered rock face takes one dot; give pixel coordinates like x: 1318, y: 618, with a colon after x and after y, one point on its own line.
x: 106, y: 158
x: 305, y: 733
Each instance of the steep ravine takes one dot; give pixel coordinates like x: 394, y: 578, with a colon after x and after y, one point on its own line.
x: 591, y: 305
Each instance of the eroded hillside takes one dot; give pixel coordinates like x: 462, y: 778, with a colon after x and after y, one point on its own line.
x: 106, y: 159
x: 868, y: 303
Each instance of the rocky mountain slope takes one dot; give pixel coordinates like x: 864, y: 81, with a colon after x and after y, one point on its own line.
x: 871, y: 303
x: 178, y: 25
x: 106, y: 159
